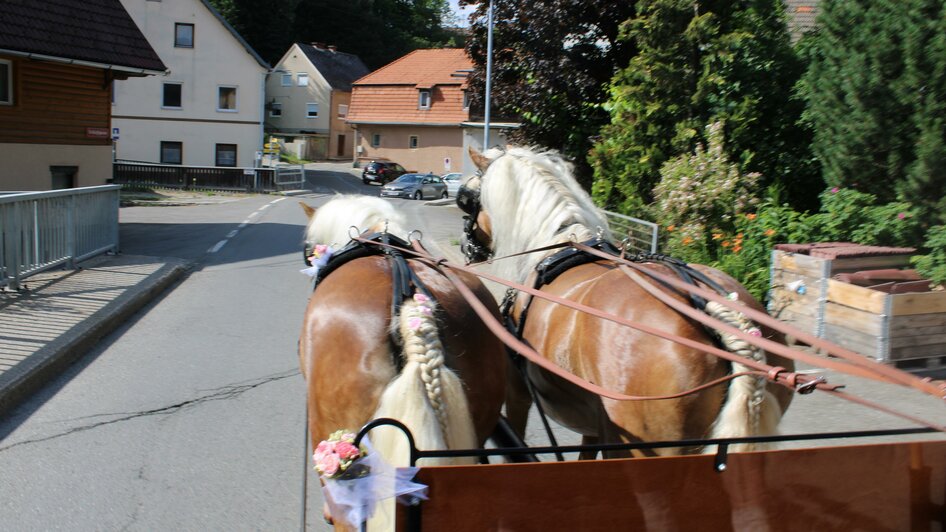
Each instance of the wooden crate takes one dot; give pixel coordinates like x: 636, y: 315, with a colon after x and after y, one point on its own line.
x: 888, y: 327
x: 892, y: 328
x: 799, y: 284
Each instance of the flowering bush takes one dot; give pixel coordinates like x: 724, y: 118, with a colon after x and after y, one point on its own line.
x: 703, y: 191
x: 337, y: 456
x: 743, y: 248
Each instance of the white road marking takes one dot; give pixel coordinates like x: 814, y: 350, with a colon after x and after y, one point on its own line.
x: 217, y: 247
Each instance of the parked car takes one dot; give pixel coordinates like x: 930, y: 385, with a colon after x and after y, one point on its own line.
x: 416, y: 186
x: 453, y: 180
x: 382, y: 172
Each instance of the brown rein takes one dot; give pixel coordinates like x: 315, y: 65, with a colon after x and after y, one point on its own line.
x: 798, y: 382
x: 862, y: 366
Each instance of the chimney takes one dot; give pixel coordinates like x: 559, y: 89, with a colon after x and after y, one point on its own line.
x: 319, y: 45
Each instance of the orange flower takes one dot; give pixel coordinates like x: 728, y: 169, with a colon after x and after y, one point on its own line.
x: 671, y: 228
x: 736, y: 248
x: 687, y: 241
x: 725, y: 243
x: 717, y: 236
x: 769, y: 232
x: 750, y: 216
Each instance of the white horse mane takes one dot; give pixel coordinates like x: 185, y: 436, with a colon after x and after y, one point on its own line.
x: 533, y: 200
x: 333, y: 222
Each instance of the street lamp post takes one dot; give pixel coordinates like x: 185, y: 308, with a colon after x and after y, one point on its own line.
x: 489, y: 73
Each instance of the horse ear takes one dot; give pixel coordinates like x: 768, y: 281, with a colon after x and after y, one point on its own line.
x: 309, y: 211
x: 479, y: 160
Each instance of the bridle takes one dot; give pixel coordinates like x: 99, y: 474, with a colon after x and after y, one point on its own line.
x: 472, y: 245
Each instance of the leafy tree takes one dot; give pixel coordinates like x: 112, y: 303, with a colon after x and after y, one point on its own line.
x: 552, y: 60
x: 698, y: 63
x: 261, y: 23
x: 377, y: 31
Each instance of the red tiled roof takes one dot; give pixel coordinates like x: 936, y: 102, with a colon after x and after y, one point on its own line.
x: 423, y: 68
x: 390, y: 94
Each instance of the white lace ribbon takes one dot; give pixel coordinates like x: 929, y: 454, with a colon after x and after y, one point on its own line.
x: 318, y: 260
x: 354, y: 500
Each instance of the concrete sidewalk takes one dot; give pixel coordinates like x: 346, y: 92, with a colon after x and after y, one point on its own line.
x: 61, y: 314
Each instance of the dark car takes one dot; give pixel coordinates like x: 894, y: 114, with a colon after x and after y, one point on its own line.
x: 382, y: 172
x: 417, y: 186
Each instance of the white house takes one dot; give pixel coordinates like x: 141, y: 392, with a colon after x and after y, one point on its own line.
x: 208, y: 109
x: 307, y: 98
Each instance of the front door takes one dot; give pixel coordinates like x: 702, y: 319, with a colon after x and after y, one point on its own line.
x: 341, y: 145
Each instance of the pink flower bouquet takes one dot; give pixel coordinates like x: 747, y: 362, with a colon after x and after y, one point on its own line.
x: 336, y: 457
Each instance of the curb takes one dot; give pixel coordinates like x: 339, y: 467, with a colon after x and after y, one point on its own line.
x: 23, y: 380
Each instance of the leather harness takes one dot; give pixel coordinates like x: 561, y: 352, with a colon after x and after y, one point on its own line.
x: 404, y: 281
x: 563, y: 260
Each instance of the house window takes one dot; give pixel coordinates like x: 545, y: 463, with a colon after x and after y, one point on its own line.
x: 171, y: 152
x: 226, y: 98
x: 423, y: 101
x: 226, y: 155
x: 302, y: 79
x: 413, y: 142
x: 275, y: 110
x: 466, y: 100
x: 376, y: 140
x: 183, y: 35
x: 342, y: 110
x: 311, y: 110
x: 62, y: 177
x: 6, y: 82
x: 172, y: 96
x: 287, y: 79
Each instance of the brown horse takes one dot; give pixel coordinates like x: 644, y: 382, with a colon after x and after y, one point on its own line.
x: 450, y: 385
x: 524, y: 200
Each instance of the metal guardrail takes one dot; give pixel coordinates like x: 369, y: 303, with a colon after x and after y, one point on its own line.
x: 42, y: 230
x: 641, y: 235
x: 138, y: 173
x: 288, y: 176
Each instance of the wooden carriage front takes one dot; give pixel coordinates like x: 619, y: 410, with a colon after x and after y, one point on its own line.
x: 897, y: 486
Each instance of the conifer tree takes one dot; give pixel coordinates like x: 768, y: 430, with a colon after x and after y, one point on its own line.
x: 863, y: 133
x: 699, y: 63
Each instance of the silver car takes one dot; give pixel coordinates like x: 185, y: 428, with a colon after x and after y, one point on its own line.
x: 416, y: 186
x: 453, y: 181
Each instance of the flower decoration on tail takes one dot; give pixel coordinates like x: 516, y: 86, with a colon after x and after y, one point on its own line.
x: 337, y: 457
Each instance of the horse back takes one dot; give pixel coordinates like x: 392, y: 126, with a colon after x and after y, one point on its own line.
x: 347, y: 353
x: 622, y: 358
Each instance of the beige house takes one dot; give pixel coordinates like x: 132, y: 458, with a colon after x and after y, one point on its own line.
x: 55, y: 95
x: 415, y: 112
x: 307, y: 99
x: 208, y: 109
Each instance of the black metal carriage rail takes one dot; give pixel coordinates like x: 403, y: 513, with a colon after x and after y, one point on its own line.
x: 721, y: 443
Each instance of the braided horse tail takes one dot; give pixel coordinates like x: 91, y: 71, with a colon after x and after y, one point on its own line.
x: 426, y: 396
x: 749, y: 409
